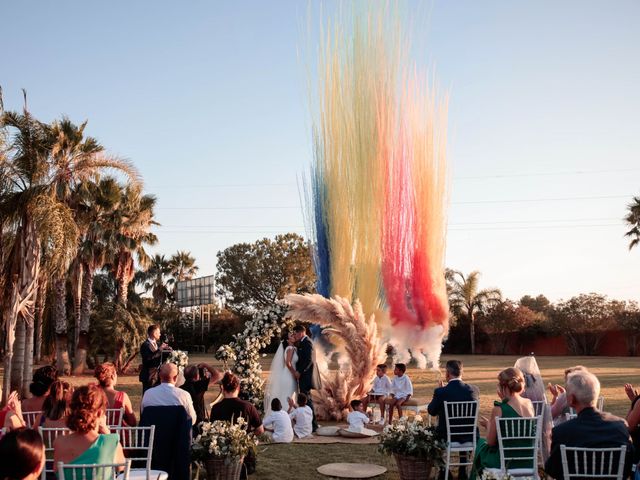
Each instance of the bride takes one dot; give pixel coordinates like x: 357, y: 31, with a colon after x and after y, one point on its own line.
x: 282, y: 383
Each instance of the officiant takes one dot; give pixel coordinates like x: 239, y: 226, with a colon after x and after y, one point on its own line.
x: 151, y: 354
x: 307, y: 372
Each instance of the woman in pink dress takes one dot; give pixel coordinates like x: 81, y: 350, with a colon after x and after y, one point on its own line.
x: 107, y: 379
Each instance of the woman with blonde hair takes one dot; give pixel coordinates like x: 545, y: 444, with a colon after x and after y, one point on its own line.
x: 512, y: 404
x: 85, y: 444
x: 107, y: 378
x: 56, y: 406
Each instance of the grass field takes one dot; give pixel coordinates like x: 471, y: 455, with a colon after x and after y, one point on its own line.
x: 282, y: 462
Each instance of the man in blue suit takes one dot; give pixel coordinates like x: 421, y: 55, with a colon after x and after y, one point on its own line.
x: 455, y: 390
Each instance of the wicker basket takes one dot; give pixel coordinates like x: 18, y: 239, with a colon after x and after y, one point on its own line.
x: 217, y: 469
x: 413, y: 468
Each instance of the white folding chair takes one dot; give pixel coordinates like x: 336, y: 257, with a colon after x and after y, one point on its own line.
x: 114, y: 417
x: 538, y: 407
x: 137, y: 443
x: 30, y: 418
x: 48, y: 437
x: 105, y: 471
x: 524, y: 431
x: 581, y: 463
x: 461, y: 418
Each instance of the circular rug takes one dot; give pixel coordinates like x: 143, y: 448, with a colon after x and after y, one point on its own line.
x: 351, y: 470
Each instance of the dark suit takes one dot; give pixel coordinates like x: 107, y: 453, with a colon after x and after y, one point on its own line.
x: 454, y: 391
x: 308, y: 374
x: 591, y: 429
x: 151, y: 358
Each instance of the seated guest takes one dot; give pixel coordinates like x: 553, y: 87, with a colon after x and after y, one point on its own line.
x: 107, y: 377
x: 56, y: 406
x: 511, y: 405
x: 278, y: 424
x: 401, y: 389
x: 591, y: 428
x: 197, y: 379
x: 559, y: 404
x: 39, y: 388
x: 380, y: 390
x: 166, y: 394
x: 302, y: 416
x: 230, y: 408
x: 534, y: 390
x: 21, y: 455
x: 87, y: 444
x: 454, y: 390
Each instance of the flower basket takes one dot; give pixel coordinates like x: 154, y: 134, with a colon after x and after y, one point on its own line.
x: 221, y: 468
x: 413, y: 468
x: 415, y: 445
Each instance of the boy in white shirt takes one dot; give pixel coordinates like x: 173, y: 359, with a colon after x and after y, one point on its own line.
x: 401, y: 389
x: 278, y: 424
x: 380, y: 389
x: 301, y: 416
x: 358, y: 419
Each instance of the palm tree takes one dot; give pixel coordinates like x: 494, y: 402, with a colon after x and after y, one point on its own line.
x: 41, y: 229
x: 633, y: 220
x: 157, y: 279
x: 465, y: 298
x: 95, y: 202
x: 183, y: 266
x: 129, y: 232
x: 75, y: 159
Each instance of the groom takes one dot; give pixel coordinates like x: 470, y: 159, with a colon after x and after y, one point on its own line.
x: 306, y: 370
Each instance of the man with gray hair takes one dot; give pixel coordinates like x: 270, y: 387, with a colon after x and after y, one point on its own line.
x: 591, y: 428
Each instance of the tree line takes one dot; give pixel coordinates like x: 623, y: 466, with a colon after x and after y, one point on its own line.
x: 69, y: 234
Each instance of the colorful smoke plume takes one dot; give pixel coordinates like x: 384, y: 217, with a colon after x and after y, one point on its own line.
x: 377, y: 196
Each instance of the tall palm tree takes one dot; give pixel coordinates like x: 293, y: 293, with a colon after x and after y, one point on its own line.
x: 96, y: 203
x: 75, y: 159
x: 468, y: 300
x: 129, y: 233
x: 183, y: 266
x: 633, y: 220
x: 41, y: 228
x: 156, y: 278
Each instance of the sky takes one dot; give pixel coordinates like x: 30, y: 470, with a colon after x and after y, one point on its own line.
x: 210, y: 100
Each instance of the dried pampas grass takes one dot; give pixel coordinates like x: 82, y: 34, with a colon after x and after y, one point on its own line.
x: 347, y: 326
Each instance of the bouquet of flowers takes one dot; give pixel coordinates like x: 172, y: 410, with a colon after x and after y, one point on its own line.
x: 226, y: 440
x: 488, y: 475
x: 179, y: 358
x: 226, y: 354
x: 413, y: 439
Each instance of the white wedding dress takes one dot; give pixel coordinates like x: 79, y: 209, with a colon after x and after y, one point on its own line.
x: 281, y: 383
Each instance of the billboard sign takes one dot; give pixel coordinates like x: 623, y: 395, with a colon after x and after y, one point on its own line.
x: 195, y: 292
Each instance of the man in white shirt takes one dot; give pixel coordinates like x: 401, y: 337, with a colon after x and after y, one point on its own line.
x: 166, y: 394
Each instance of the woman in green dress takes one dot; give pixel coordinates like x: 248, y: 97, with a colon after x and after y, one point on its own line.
x: 89, y: 441
x: 511, y: 405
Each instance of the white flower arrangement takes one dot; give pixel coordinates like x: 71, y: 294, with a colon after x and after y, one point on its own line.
x: 223, y: 440
x: 179, y: 358
x: 413, y: 438
x: 488, y: 475
x: 244, y: 350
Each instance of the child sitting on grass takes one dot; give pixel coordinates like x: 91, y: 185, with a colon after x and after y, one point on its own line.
x: 401, y: 390
x: 358, y: 419
x: 301, y: 416
x: 278, y: 424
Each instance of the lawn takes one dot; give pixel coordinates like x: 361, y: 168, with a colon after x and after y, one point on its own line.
x: 282, y: 462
